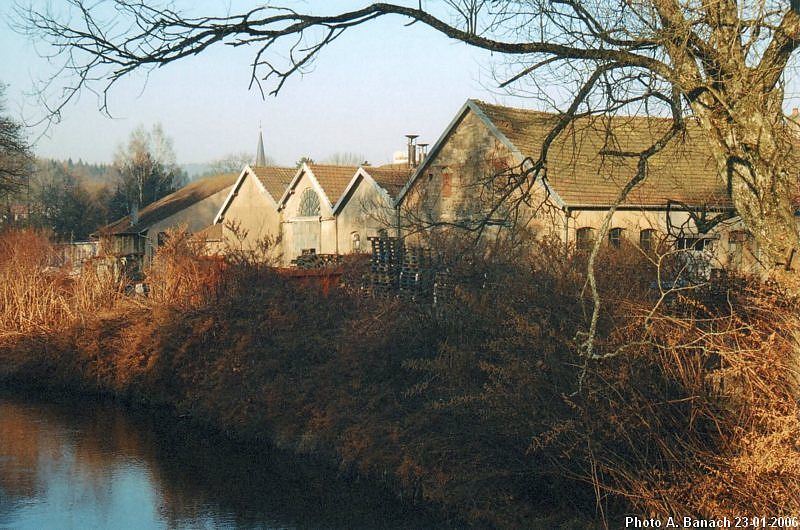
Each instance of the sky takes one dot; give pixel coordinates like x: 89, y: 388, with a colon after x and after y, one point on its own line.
x: 368, y: 89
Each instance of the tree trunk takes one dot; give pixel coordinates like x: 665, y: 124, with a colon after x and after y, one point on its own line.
x: 754, y: 149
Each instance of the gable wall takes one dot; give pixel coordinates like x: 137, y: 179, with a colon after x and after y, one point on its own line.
x: 469, y: 158
x: 194, y: 218
x: 366, y: 211
x: 254, y: 214
x: 298, y: 233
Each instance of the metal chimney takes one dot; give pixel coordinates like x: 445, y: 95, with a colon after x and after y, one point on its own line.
x: 423, y: 152
x: 412, y: 151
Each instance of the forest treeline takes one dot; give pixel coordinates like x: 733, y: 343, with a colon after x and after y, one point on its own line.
x: 74, y: 199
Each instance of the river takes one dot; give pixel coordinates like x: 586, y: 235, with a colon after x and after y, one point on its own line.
x: 68, y: 463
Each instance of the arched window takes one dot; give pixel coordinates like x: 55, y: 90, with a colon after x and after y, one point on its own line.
x: 584, y: 238
x: 355, y: 242
x: 309, y: 204
x: 647, y: 239
x: 615, y: 237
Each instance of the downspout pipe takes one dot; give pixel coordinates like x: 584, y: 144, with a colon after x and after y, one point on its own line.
x: 567, y: 216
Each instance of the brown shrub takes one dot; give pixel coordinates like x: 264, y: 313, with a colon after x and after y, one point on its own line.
x: 35, y: 295
x: 482, y: 404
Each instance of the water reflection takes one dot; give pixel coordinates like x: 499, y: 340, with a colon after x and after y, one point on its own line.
x: 96, y: 465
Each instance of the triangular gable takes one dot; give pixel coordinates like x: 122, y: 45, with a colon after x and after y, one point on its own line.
x: 470, y: 106
x: 360, y: 174
x: 246, y: 172
x: 305, y: 169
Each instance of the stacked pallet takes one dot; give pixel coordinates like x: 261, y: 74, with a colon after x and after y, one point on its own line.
x: 443, y: 287
x: 312, y: 260
x: 415, y: 272
x: 385, y: 263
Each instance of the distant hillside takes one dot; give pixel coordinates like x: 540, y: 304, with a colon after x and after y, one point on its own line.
x: 88, y: 172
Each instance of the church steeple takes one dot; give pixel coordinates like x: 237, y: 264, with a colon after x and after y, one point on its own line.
x: 261, y: 158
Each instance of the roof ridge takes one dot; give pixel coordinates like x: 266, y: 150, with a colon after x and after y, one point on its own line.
x: 482, y: 103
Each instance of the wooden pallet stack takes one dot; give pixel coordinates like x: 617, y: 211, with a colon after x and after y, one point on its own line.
x: 385, y: 263
x: 415, y: 273
x: 443, y: 287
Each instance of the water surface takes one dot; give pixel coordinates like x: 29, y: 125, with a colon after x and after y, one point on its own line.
x: 88, y: 464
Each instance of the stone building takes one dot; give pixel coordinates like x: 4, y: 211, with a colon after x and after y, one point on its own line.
x: 134, y: 239
x: 316, y: 209
x: 473, y: 175
x: 249, y: 219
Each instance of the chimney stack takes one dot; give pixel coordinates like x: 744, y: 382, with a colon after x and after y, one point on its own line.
x: 423, y: 152
x: 412, y: 150
x: 795, y: 112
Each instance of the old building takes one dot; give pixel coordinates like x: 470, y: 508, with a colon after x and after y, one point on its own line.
x: 366, y: 207
x: 308, y: 223
x: 473, y: 176
x: 316, y: 209
x: 134, y: 238
x: 249, y: 219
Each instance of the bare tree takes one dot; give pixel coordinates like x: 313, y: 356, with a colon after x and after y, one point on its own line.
x: 15, y: 156
x: 147, y: 170
x: 234, y: 162
x: 721, y: 62
x: 344, y: 158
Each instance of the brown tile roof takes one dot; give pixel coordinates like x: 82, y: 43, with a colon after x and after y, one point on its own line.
x: 333, y: 179
x: 580, y: 175
x: 391, y: 177
x: 274, y: 179
x: 171, y: 204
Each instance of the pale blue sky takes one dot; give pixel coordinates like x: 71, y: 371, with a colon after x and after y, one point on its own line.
x: 366, y: 91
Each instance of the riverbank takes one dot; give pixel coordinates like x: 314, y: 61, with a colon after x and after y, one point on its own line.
x: 329, y: 382
x: 482, y: 404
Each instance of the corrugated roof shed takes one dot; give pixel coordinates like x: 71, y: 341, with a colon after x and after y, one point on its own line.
x: 171, y: 204
x: 581, y: 175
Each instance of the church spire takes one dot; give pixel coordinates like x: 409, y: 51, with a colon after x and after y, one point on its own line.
x: 261, y: 158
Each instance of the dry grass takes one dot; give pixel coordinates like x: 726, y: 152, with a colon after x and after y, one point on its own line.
x: 483, y: 404
x: 37, y: 296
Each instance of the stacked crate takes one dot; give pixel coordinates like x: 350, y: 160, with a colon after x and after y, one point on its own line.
x: 385, y: 263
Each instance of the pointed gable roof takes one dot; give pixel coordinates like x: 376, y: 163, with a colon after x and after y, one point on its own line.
x: 332, y: 181
x: 272, y: 180
x: 390, y: 177
x: 578, y: 175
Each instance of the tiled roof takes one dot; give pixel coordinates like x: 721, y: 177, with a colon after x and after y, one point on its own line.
x: 171, y: 204
x: 274, y: 179
x: 391, y: 177
x: 333, y: 179
x: 580, y: 175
